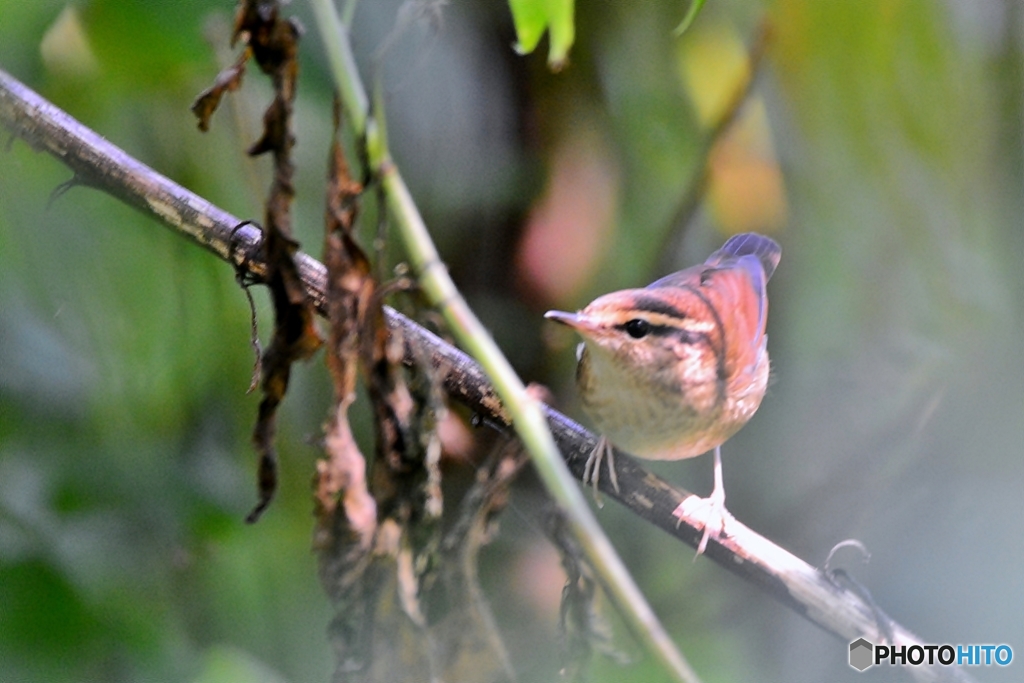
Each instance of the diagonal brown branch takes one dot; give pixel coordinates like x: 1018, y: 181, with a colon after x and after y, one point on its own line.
x: 796, y: 584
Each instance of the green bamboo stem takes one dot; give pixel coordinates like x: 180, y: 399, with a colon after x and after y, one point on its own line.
x: 526, y: 414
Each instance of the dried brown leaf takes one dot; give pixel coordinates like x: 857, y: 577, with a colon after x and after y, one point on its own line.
x: 228, y: 80
x: 273, y: 43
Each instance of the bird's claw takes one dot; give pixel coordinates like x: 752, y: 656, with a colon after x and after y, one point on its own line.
x: 709, y: 513
x: 592, y: 469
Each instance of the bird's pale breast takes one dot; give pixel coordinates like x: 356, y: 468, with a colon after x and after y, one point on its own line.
x: 669, y: 416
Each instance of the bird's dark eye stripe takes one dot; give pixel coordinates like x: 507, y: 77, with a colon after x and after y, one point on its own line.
x: 651, y: 304
x: 670, y: 331
x: 648, y: 328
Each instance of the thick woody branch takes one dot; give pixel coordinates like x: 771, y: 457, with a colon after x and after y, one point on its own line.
x: 796, y: 584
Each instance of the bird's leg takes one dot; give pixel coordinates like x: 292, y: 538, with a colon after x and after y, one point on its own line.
x: 592, y: 469
x: 709, y: 511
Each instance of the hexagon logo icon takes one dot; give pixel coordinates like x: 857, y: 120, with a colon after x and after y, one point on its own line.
x: 861, y: 654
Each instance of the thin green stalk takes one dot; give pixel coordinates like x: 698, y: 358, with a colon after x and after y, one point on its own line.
x: 688, y: 18
x: 527, y: 417
x: 348, y: 12
x: 343, y: 65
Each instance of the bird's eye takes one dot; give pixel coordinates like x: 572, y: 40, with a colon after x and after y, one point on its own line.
x: 637, y: 328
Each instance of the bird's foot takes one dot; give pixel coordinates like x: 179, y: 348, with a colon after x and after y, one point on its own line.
x: 710, y: 513
x: 603, y: 451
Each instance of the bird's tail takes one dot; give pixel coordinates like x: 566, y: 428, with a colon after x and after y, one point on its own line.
x: 767, y: 251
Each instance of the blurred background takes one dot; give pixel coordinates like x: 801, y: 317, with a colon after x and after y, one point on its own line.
x: 880, y: 144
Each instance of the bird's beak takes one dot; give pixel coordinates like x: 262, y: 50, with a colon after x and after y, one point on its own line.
x: 577, y: 321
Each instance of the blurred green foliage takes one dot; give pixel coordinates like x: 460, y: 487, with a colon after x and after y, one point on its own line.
x: 896, y: 415
x: 533, y: 17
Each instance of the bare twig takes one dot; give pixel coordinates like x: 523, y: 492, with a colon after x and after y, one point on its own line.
x: 793, y: 582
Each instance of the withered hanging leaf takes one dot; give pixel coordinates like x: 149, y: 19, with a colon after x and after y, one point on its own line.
x: 228, y: 80
x: 582, y: 625
x: 355, y: 572
x: 406, y: 477
x: 390, y: 578
x: 469, y: 630
x: 275, y: 131
x: 378, y: 530
x: 273, y: 43
x: 350, y: 290
x: 295, y: 337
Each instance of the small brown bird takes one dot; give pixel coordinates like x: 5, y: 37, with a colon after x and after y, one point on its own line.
x: 673, y: 370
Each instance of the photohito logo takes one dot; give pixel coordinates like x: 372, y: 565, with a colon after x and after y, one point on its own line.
x: 864, y: 653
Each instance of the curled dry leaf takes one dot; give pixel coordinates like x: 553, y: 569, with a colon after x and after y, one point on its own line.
x: 228, y: 80
x: 350, y: 292
x: 273, y: 43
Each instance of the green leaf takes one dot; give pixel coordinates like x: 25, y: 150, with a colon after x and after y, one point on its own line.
x: 533, y: 17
